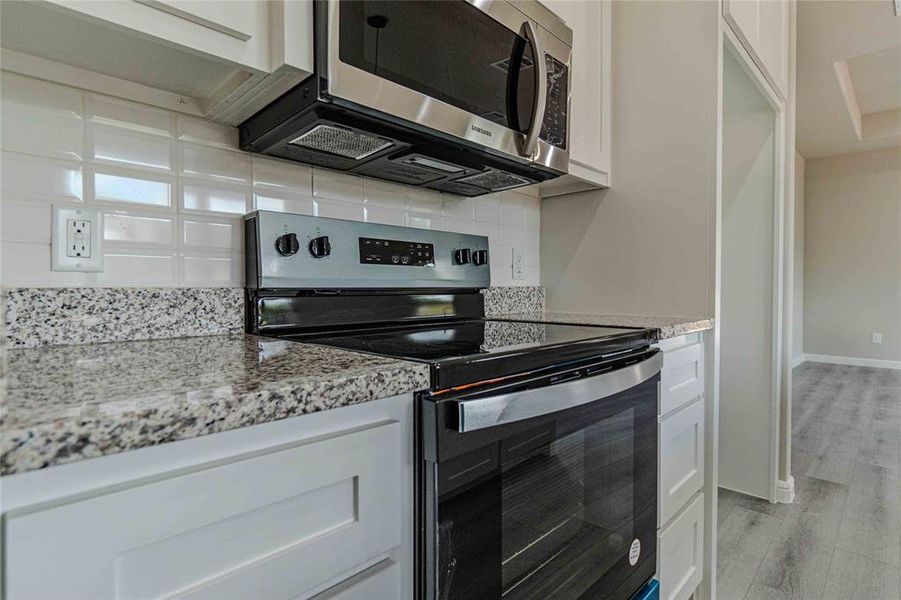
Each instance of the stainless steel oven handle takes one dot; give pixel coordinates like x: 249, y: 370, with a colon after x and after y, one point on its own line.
x: 492, y: 411
x: 540, y: 99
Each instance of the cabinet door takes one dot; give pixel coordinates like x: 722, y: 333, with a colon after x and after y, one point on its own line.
x: 762, y: 27
x: 680, y: 553
x: 682, y: 378
x: 235, y: 31
x: 270, y: 525
x: 589, y: 137
x: 681, y: 458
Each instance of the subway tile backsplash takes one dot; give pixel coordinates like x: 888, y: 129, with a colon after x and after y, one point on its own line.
x: 173, y: 189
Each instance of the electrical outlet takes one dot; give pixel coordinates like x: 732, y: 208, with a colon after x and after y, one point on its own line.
x: 519, y: 264
x: 76, y: 239
x: 877, y: 338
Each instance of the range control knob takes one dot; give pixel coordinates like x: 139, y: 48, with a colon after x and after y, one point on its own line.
x: 320, y: 246
x: 461, y: 256
x: 287, y: 244
x: 480, y: 257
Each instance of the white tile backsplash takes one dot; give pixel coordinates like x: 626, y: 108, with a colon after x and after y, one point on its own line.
x: 337, y: 186
x: 339, y: 209
x: 214, y: 197
x: 129, y: 115
x: 137, y: 268
x: 212, y: 234
x: 173, y: 189
x: 121, y: 229
x: 127, y: 148
x: 36, y: 178
x: 205, y: 161
x: 24, y: 221
x: 130, y: 187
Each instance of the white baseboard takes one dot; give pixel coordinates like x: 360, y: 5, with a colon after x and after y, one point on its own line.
x: 853, y: 361
x: 785, y: 490
x: 797, y: 361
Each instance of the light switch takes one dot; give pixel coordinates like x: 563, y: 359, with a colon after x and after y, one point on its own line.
x: 76, y: 239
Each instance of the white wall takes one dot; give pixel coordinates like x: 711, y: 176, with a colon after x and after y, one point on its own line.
x: 173, y: 189
x: 747, y: 423
x: 797, y: 348
x: 852, y: 255
x: 645, y: 246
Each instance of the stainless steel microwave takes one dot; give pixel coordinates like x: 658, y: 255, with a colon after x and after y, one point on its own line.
x: 462, y: 96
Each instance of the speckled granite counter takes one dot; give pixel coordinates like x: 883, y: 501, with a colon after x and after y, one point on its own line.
x: 65, y: 403
x: 668, y: 327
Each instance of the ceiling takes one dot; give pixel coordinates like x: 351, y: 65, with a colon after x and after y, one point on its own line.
x: 849, y: 77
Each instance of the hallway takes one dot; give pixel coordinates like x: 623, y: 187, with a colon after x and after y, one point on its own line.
x: 841, y: 538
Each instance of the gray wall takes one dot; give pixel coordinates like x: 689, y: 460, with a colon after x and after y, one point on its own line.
x: 797, y: 348
x: 646, y: 245
x: 852, y: 255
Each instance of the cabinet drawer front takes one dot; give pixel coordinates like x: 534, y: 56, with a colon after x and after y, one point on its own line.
x: 682, y: 378
x: 680, y: 551
x: 681, y: 458
x: 264, y: 525
x: 379, y: 582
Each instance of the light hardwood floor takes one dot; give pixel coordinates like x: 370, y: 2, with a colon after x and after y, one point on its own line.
x: 841, y: 538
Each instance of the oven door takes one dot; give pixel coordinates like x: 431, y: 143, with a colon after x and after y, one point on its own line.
x: 463, y: 68
x: 544, y: 492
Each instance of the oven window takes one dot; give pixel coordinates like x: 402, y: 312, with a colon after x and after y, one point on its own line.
x: 446, y: 49
x: 557, y: 514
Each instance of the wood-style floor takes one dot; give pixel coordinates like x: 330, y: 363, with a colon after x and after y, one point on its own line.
x: 841, y: 538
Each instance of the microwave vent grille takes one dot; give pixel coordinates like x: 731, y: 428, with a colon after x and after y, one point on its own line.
x: 340, y: 141
x: 495, y: 180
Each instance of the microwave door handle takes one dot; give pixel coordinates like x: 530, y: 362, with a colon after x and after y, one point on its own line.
x: 540, y: 98
x: 491, y: 411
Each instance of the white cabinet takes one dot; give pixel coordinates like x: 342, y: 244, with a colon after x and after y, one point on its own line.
x: 590, y: 100
x: 681, y: 467
x: 682, y: 378
x: 681, y: 459
x: 208, y: 58
x: 680, y: 552
x: 329, y: 512
x: 762, y: 27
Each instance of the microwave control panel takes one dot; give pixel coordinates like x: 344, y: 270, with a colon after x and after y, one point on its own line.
x: 553, y: 129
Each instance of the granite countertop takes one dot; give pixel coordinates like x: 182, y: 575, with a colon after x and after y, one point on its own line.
x: 668, y: 327
x: 66, y: 403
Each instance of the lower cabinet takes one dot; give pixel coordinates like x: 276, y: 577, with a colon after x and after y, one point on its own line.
x: 379, y: 582
x: 322, y: 515
x: 680, y: 551
x: 681, y: 459
x: 680, y: 462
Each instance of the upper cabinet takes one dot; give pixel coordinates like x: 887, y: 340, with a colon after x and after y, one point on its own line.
x: 762, y: 27
x: 590, y: 98
x: 218, y: 60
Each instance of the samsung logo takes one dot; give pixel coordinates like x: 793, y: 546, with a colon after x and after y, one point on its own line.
x: 480, y: 130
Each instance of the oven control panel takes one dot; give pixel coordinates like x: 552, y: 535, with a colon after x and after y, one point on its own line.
x: 396, y: 252
x: 286, y: 251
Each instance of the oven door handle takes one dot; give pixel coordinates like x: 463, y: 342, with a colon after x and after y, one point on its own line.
x: 481, y: 413
x: 540, y: 99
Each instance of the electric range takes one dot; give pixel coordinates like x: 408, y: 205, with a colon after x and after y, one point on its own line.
x: 536, y: 443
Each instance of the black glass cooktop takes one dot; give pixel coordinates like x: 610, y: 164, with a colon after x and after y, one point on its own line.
x: 462, y: 352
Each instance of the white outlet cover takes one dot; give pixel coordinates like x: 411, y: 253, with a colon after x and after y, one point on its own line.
x: 877, y: 338
x: 59, y: 234
x: 519, y: 264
